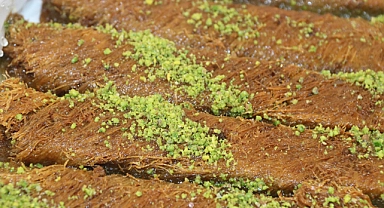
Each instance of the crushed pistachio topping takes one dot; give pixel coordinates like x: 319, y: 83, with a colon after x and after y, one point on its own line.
x: 160, y: 58
x: 75, y: 95
x: 377, y: 19
x: 323, y: 134
x: 333, y: 199
x: 368, y: 79
x: 22, y: 193
x: 224, y: 19
x: 19, y: 195
x: 300, y: 128
x: 238, y: 193
x: 88, y: 191
x: 367, y: 142
x: 169, y: 129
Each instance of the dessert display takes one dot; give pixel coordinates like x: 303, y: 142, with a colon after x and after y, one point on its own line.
x: 192, y: 104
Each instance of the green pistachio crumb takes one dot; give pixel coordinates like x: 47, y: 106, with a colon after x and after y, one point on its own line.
x: 196, y: 16
x: 139, y: 193
x: 19, y: 117
x: 149, y: 2
x: 107, y: 51
x: 315, y: 91
x: 331, y: 190
x: 80, y: 42
x: 312, y: 49
x: 75, y: 59
x: 87, y: 61
x: 20, y: 170
x: 208, y: 22
x: 347, y: 198
x: 102, y: 130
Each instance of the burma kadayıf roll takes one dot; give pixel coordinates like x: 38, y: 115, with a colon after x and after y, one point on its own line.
x: 56, y: 58
x: 307, y: 39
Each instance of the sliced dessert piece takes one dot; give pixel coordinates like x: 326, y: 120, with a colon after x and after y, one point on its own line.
x: 146, y: 136
x: 56, y: 186
x: 58, y: 59
x: 310, y: 40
